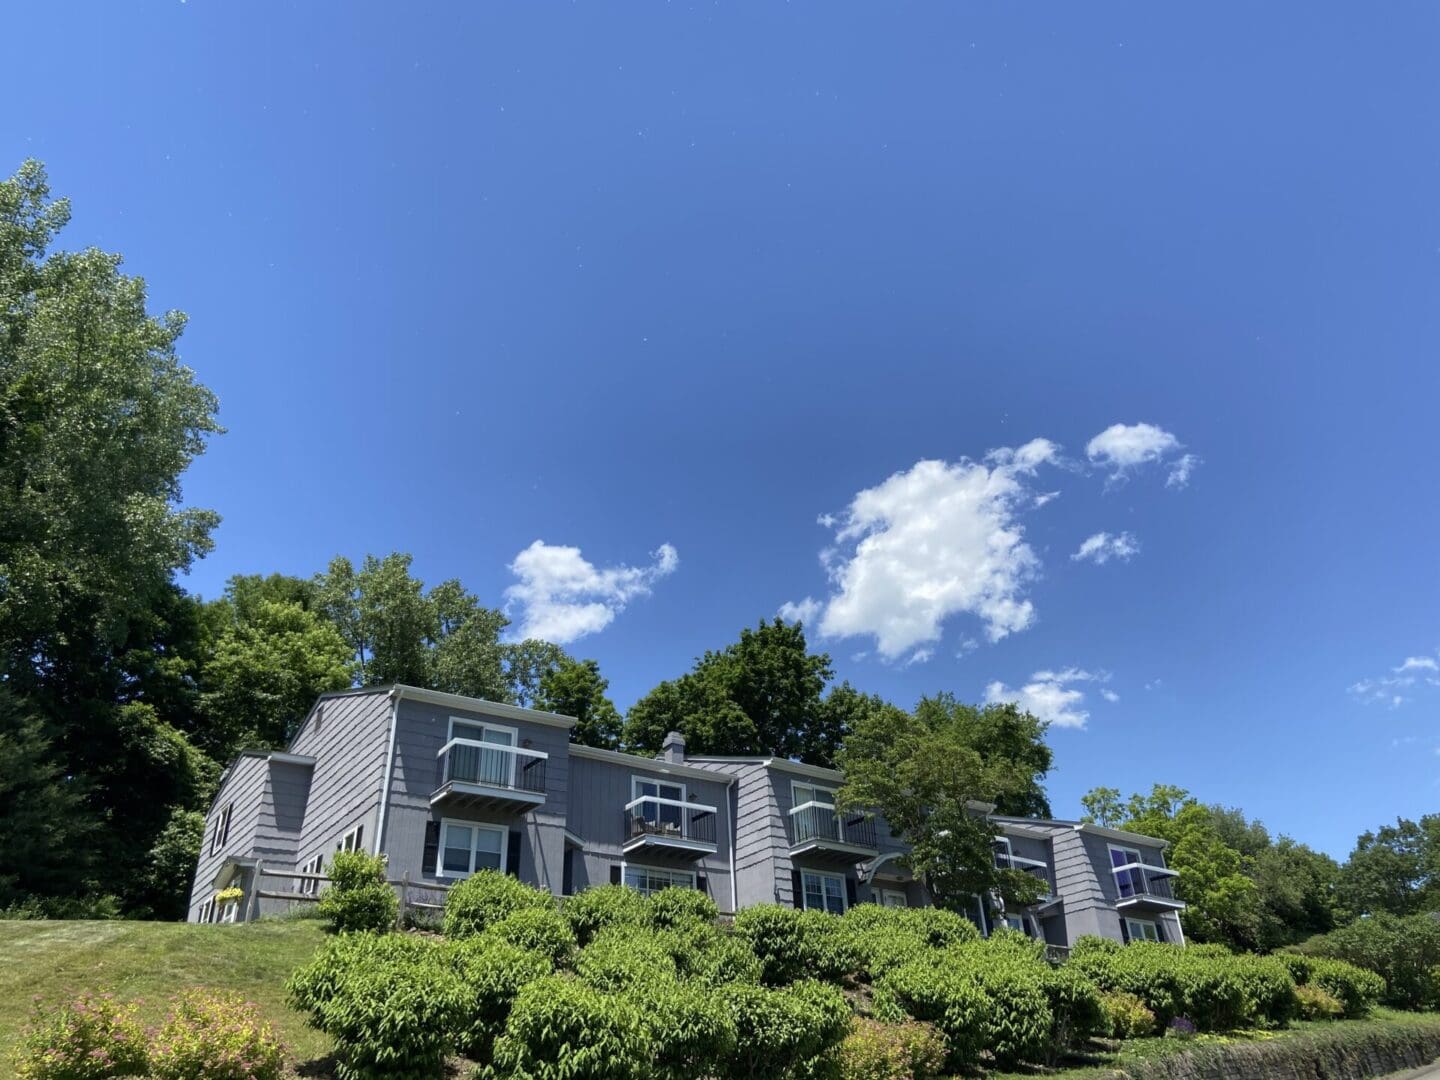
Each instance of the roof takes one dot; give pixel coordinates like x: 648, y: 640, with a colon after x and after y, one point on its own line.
x: 1061, y: 825
x: 639, y: 761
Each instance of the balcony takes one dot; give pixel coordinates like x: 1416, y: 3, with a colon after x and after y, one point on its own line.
x: 669, y: 827
x: 1143, y: 886
x: 1039, y: 869
x: 489, y: 776
x: 816, y: 827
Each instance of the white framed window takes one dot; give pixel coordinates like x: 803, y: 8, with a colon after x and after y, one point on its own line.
x: 893, y: 898
x: 468, y: 846
x: 1004, y: 854
x: 649, y: 879
x: 803, y: 793
x: 221, y: 834
x: 1026, y: 924
x: 662, y: 817
x: 352, y: 840
x: 310, y: 886
x: 207, y: 911
x: 1142, y: 930
x: 230, y: 911
x: 495, y: 767
x: 823, y: 892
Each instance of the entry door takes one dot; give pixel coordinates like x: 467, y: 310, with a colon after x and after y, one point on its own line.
x: 494, y: 767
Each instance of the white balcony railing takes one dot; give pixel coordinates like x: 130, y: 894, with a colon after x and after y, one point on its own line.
x: 1140, y: 880
x: 469, y: 761
x: 818, y: 821
x: 669, y: 819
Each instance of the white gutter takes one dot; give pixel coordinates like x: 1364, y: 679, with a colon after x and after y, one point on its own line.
x: 389, y: 771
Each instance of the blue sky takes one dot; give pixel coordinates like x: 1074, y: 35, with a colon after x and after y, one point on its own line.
x: 754, y: 305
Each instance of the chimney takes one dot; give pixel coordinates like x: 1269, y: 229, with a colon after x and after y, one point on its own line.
x: 673, y: 749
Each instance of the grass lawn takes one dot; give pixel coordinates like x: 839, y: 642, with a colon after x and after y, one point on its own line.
x: 151, y: 961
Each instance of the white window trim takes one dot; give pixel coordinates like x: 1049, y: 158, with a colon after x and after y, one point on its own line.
x: 445, y: 823
x: 221, y: 836
x: 636, y: 780
x: 805, y: 897
x: 351, y: 840
x: 819, y: 790
x: 1133, y: 922
x: 669, y: 872
x: 885, y: 894
x: 314, y: 866
x: 207, y: 911
x: 230, y: 912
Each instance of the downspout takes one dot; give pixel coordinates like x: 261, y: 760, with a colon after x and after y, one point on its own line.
x: 389, y: 772
x: 734, y: 839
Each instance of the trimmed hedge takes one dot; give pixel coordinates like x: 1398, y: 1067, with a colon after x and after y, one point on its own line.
x: 781, y: 1033
x: 562, y: 1029
x: 484, y: 899
x: 493, y: 973
x: 357, y: 897
x: 678, y: 907
x: 603, y: 906
x: 540, y: 929
x: 625, y: 956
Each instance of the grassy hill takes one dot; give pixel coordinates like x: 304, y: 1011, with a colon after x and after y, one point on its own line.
x: 151, y: 961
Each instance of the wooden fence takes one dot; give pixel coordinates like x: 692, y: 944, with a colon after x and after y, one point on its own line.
x: 414, y: 896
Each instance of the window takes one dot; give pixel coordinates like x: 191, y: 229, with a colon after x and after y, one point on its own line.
x: 893, y: 898
x: 1004, y: 856
x: 222, y: 829
x: 1023, y: 923
x: 661, y: 817
x: 823, y: 892
x: 476, y: 764
x: 807, y: 793
x: 1143, y: 930
x: 647, y: 879
x: 230, y: 911
x: 467, y: 846
x: 352, y: 840
x: 207, y: 911
x: 1129, y: 882
x: 310, y: 886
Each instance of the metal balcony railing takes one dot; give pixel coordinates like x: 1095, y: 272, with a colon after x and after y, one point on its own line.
x: 817, y: 821
x: 1144, y: 881
x: 669, y: 819
x: 468, y: 761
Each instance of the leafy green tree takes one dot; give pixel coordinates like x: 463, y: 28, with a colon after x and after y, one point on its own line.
x: 527, y: 664
x: 170, y: 867
x: 1395, y: 869
x: 98, y: 421
x: 576, y: 688
x: 925, y: 773
x: 759, y: 695
x: 271, y: 657
x: 45, y: 827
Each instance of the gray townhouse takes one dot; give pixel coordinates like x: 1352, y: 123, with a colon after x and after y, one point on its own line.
x: 445, y: 785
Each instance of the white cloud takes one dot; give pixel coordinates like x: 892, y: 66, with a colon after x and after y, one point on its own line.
x: 1121, y: 448
x: 1418, y: 663
x: 1046, y: 497
x: 936, y: 540
x: 1110, y: 696
x: 1102, y: 547
x: 803, y: 611
x: 1411, y: 674
x: 1050, y: 696
x: 562, y: 596
x: 1181, y: 469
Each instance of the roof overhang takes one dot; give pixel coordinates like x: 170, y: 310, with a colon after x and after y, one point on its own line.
x: 1120, y: 834
x: 472, y: 704
x: 649, y: 764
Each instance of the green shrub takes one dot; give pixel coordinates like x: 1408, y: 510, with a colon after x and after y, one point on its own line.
x: 1127, y: 1015
x: 314, y: 984
x: 1268, y: 988
x: 1016, y: 1022
x: 675, y: 906
x: 493, y: 973
x: 794, y: 944
x: 878, y: 950
x: 214, y: 1036
x: 1211, y: 995
x: 1297, y: 965
x: 938, y: 928
x: 603, y: 906
x: 540, y: 929
x: 625, y: 956
x: 562, y: 1029
x: 483, y: 899
x: 947, y: 998
x: 779, y: 1033
x: 396, y: 1015
x: 1076, y: 1011
x: 690, y: 1027
x: 905, y: 1051
x: 1356, y: 989
x: 357, y: 897
x: 1405, y: 952
x: 709, y: 955
x: 1313, y: 1003
x: 93, y: 1037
